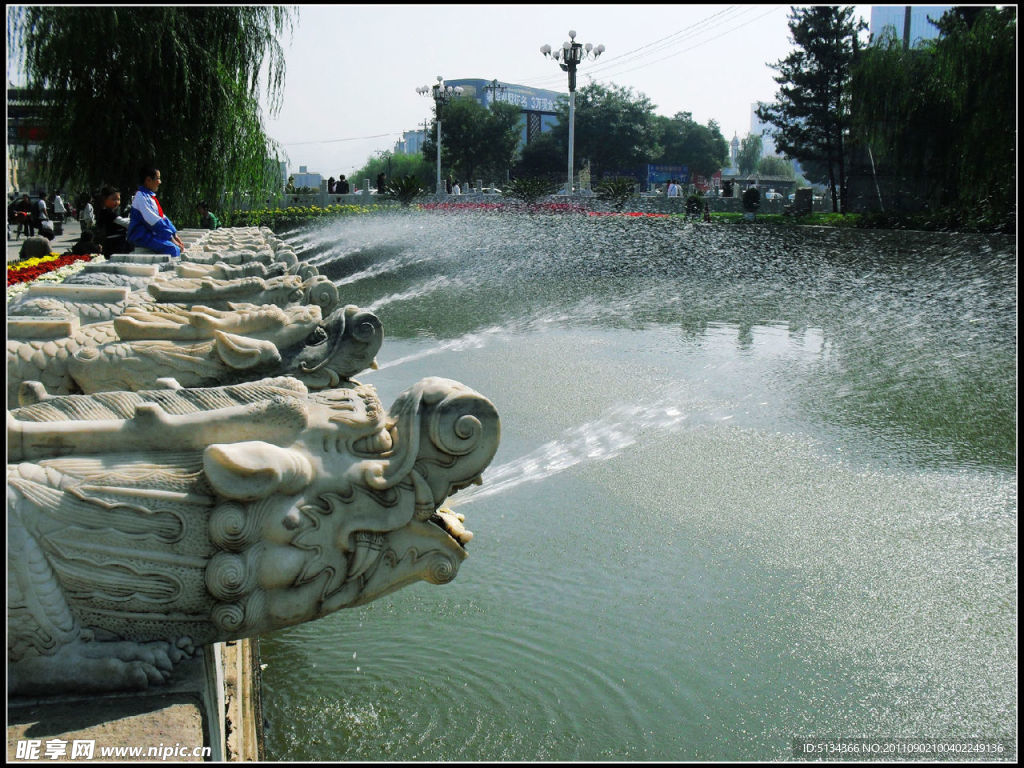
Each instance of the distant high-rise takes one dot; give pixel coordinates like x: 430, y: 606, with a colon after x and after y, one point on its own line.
x: 760, y: 128
x: 895, y: 16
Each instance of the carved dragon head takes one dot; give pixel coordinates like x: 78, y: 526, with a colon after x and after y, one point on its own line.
x: 351, y: 511
x: 247, y: 508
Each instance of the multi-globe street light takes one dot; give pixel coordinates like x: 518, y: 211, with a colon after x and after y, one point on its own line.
x: 442, y: 94
x: 568, y: 57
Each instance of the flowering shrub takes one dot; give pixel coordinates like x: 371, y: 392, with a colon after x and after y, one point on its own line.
x: 31, y: 262
x: 57, y: 274
x: 35, y: 268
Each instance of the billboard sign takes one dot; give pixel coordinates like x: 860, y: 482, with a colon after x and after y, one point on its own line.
x: 659, y: 174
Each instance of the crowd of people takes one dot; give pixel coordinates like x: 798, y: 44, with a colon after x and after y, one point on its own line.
x: 106, y: 227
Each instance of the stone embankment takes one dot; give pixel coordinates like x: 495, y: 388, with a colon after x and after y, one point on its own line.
x: 208, y: 710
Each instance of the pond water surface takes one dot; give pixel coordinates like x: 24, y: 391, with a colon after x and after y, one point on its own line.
x: 755, y: 484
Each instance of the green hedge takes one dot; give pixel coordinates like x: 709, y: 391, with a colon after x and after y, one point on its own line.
x: 283, y: 217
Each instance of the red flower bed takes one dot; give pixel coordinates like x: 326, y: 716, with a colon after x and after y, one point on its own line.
x: 27, y: 274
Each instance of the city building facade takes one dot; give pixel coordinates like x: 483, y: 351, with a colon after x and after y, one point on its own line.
x: 895, y: 16
x: 537, y: 106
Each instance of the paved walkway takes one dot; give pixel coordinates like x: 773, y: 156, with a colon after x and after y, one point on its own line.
x: 60, y: 244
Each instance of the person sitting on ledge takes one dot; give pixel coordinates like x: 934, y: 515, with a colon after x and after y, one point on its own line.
x: 111, y: 232
x: 148, y: 226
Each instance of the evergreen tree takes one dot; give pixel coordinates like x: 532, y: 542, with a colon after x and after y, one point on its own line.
x: 174, y: 86
x: 812, y: 108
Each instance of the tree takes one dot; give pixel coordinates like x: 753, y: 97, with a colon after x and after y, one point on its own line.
x: 394, y: 166
x: 941, y: 117
x: 475, y: 140
x: 175, y: 86
x: 775, y: 166
x: 812, y: 108
x: 702, y: 149
x: 749, y: 154
x: 543, y: 157
x: 615, y: 129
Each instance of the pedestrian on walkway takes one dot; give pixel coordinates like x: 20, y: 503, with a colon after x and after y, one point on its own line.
x: 59, y: 210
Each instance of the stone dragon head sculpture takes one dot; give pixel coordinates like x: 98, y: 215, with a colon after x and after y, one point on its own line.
x: 201, y: 346
x: 142, y: 524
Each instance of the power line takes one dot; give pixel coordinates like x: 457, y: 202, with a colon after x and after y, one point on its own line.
x: 662, y: 42
x: 609, y: 67
x: 695, y: 45
x: 333, y: 141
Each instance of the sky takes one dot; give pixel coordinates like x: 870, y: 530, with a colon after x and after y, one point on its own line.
x: 353, y: 70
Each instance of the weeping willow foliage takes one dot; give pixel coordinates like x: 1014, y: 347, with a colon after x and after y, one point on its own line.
x: 941, y: 117
x: 176, y: 87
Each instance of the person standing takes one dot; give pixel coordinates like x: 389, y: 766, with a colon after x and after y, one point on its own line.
x: 381, y: 183
x: 58, y: 207
x: 149, y: 227
x: 87, y: 217
x: 39, y: 213
x: 342, y: 187
x: 23, y: 211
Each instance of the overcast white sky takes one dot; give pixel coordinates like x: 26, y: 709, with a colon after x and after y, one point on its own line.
x: 353, y: 70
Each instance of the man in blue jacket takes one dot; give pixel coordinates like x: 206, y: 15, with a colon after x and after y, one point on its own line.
x: 148, y: 227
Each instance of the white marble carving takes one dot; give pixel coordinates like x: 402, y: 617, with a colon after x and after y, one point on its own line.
x: 143, y: 524
x: 201, y: 346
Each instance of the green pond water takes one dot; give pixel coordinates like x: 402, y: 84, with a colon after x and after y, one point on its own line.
x: 755, y: 484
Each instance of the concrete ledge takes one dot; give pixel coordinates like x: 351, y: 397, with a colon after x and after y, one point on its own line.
x: 31, y: 327
x: 123, y: 268
x: 209, y: 711
x: 77, y: 292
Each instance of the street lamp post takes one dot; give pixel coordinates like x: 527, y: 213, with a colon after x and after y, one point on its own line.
x: 441, y: 94
x: 568, y: 57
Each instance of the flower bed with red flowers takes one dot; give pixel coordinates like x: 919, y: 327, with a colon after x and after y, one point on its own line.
x: 31, y: 269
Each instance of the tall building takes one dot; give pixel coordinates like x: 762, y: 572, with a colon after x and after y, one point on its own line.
x: 537, y: 106
x: 760, y: 128
x: 895, y: 16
